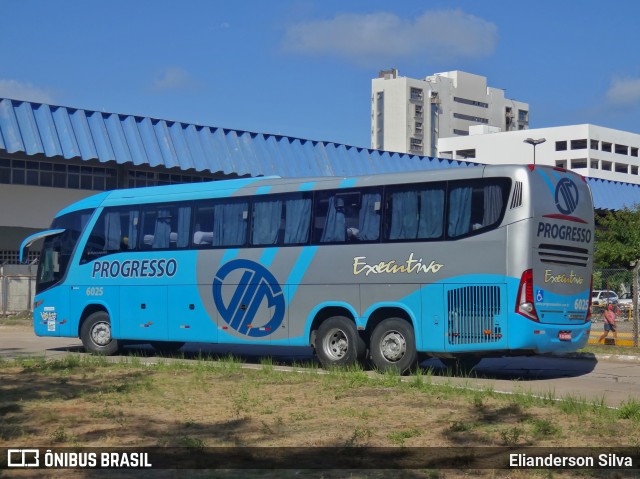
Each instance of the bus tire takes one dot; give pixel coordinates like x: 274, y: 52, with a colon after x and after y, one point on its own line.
x: 166, y: 347
x: 393, y: 346
x: 338, y: 343
x: 95, y: 334
x: 460, y: 365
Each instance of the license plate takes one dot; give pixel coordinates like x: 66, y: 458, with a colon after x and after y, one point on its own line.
x: 564, y: 335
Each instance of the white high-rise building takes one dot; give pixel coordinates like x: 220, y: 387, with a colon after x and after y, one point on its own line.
x: 590, y: 150
x: 409, y: 115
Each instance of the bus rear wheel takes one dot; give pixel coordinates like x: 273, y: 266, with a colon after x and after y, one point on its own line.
x: 95, y: 334
x: 338, y: 343
x: 393, y: 346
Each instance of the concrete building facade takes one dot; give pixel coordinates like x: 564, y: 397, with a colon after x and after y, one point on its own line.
x: 592, y: 151
x: 410, y: 115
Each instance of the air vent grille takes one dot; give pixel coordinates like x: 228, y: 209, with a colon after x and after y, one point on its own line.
x: 516, y: 199
x: 563, y: 255
x: 472, y: 312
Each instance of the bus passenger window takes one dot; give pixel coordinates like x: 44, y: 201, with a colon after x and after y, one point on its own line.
x: 166, y: 227
x: 416, y: 212
x: 281, y: 219
x: 347, y: 216
x: 476, y: 206
x: 230, y: 223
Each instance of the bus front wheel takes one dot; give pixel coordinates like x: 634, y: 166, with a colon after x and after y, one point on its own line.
x: 338, y: 342
x: 96, y: 334
x: 393, y: 346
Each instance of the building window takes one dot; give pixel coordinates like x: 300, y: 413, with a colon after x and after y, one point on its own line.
x: 594, y: 164
x: 477, y: 119
x: 621, y: 168
x: 621, y: 149
x: 470, y: 102
x: 416, y: 94
x: 140, y: 178
x: 593, y: 144
x: 523, y: 115
x: 561, y: 145
x: 581, y: 163
x: 419, y: 111
x: 465, y: 154
x: 634, y: 151
x: 56, y: 175
x: 415, y: 144
x: 460, y: 132
x: 606, y: 165
x: 634, y: 170
x: 418, y: 128
x: 606, y: 146
x: 578, y: 144
x: 561, y: 164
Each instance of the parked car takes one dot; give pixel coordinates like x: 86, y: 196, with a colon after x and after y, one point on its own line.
x: 600, y: 297
x: 626, y: 299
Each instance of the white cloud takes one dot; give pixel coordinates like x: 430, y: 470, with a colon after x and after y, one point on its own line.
x: 624, y: 92
x: 24, y: 91
x: 173, y: 78
x: 375, y: 38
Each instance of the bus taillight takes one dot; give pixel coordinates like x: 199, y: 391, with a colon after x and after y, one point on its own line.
x: 524, y: 302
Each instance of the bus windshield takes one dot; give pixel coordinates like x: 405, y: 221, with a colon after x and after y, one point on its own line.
x: 57, y: 249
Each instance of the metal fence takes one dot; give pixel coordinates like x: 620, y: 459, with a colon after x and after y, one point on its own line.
x: 615, y: 286
x: 17, y: 288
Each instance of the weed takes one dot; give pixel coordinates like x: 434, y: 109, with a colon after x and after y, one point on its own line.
x: 511, y: 436
x: 630, y: 409
x: 544, y: 428
x: 399, y: 438
x: 359, y: 437
x: 59, y: 435
x: 460, y: 426
x: 193, y: 442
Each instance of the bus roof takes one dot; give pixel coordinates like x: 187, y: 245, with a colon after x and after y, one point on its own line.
x: 261, y: 185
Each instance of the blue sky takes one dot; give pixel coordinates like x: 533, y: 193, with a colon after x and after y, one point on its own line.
x: 303, y: 68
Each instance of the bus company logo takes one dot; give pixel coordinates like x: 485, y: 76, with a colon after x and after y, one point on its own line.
x: 567, y: 196
x: 255, y: 286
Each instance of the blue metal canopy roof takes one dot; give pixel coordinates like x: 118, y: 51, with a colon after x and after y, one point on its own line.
x: 72, y: 133
x: 57, y: 131
x: 613, y: 195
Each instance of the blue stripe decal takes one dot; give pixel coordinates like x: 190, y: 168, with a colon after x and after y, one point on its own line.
x: 547, y: 180
x: 263, y: 190
x: 268, y: 256
x: 303, y: 262
x: 307, y: 186
x: 228, y: 256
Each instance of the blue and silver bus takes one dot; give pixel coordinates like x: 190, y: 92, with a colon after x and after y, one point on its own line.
x: 457, y: 264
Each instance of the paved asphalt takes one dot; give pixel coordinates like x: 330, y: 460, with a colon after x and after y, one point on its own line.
x: 614, y: 379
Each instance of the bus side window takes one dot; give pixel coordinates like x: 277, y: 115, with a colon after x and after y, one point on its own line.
x: 230, y: 223
x: 167, y: 227
x: 415, y: 212
x: 476, y: 205
x: 281, y: 219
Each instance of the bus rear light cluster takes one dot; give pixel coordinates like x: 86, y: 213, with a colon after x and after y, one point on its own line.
x: 524, y: 302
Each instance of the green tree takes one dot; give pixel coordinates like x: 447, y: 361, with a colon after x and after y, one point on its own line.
x: 618, y: 238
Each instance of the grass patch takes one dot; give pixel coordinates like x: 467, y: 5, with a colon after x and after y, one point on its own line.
x: 83, y: 400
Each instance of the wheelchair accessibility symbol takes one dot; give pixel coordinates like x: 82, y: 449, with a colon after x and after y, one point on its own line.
x: 539, y: 296
x: 256, y: 287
